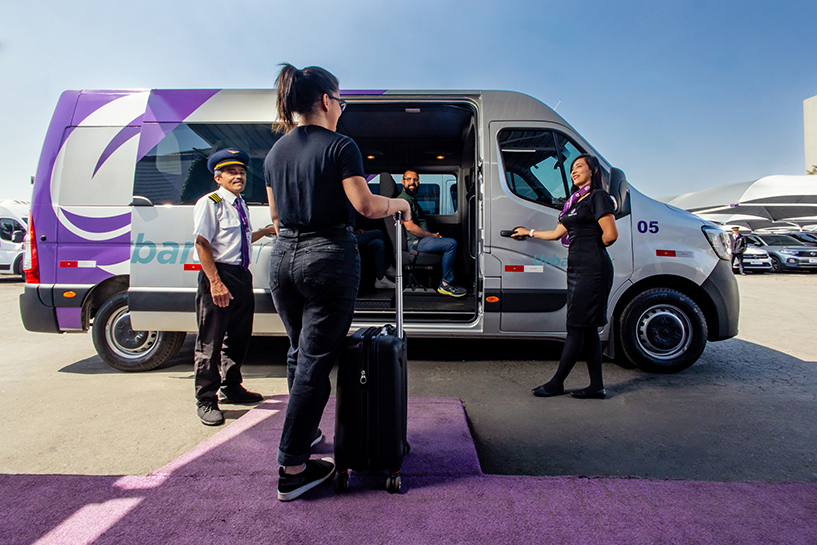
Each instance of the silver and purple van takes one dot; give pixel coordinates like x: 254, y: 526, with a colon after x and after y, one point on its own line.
x: 110, y: 244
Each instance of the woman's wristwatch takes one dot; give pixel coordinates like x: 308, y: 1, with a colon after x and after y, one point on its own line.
x: 531, y: 233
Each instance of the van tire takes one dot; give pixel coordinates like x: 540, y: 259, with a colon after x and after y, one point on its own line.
x: 18, y: 268
x: 662, y: 331
x: 127, y: 350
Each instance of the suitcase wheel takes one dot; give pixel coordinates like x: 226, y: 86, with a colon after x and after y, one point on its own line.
x: 394, y: 483
x: 341, y: 482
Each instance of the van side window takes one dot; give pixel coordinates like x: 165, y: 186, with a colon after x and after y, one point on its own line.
x: 7, y: 228
x: 536, y: 163
x: 437, y: 194
x: 175, y: 170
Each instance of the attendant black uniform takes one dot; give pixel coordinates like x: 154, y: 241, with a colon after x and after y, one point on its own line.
x: 589, y: 268
x: 224, y: 332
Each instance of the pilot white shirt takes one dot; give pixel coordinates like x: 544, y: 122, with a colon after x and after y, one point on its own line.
x: 216, y: 219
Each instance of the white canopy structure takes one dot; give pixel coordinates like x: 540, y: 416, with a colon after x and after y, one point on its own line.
x: 785, y: 202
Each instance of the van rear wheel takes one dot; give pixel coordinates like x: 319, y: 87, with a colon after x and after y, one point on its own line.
x: 125, y: 349
x: 662, y: 331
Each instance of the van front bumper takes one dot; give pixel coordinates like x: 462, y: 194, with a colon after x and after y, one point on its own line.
x: 722, y: 288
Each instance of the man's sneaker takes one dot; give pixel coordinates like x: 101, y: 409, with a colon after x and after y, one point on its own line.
x: 210, y: 415
x: 384, y: 284
x: 453, y: 291
x: 315, y: 472
x: 318, y: 438
x: 238, y: 394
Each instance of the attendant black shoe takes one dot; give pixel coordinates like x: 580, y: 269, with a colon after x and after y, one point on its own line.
x: 209, y: 414
x: 541, y: 391
x: 587, y: 393
x: 238, y: 395
x: 315, y: 472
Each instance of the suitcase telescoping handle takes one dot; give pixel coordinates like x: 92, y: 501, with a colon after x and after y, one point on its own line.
x: 398, y: 296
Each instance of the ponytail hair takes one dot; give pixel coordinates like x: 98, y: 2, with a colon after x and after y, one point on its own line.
x: 299, y: 90
x: 595, y: 169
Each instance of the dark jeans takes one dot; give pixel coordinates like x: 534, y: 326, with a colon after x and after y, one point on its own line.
x: 224, y: 332
x: 373, y: 241
x: 445, y: 246
x: 314, y: 282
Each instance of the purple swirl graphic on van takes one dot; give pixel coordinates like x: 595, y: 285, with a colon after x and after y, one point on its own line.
x: 121, y: 137
x: 98, y: 225
x: 167, y: 109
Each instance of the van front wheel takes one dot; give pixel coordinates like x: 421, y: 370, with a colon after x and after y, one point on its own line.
x: 662, y: 331
x: 125, y: 349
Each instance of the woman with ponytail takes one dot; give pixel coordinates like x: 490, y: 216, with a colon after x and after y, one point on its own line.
x: 315, y: 182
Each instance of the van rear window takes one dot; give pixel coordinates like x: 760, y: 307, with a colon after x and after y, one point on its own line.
x: 175, y: 170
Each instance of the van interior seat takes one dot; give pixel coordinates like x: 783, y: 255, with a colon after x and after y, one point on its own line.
x: 413, y: 260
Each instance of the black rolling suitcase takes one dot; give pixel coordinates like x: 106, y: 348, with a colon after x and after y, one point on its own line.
x: 371, y: 414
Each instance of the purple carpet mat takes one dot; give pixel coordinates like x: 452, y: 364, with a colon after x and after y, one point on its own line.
x: 224, y: 491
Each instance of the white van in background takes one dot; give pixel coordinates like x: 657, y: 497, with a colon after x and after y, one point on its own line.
x: 13, y: 227
x: 111, y: 248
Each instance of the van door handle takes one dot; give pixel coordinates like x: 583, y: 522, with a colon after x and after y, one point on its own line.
x: 509, y: 232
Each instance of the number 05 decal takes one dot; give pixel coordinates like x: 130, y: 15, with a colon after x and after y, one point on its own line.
x: 643, y: 227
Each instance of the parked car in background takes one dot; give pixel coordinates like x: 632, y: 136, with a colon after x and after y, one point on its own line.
x: 756, y: 259
x: 787, y: 253
x: 809, y: 239
x: 13, y: 227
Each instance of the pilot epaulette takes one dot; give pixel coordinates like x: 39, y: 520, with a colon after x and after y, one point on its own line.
x: 215, y: 197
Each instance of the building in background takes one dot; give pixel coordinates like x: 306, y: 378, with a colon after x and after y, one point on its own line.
x: 810, y: 133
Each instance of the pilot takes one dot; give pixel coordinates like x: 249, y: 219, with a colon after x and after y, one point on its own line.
x: 224, y: 298
x: 737, y: 244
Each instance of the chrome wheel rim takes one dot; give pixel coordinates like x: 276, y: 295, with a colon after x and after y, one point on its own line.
x: 664, y: 332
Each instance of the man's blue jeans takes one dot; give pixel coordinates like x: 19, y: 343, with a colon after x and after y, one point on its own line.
x: 314, y: 282
x: 445, y: 246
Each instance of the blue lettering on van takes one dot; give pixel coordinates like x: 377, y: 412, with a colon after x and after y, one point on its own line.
x: 554, y: 260
x: 170, y: 252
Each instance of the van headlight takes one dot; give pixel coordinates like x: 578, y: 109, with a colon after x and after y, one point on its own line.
x: 719, y: 240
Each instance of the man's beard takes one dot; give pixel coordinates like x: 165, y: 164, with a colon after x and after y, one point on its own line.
x: 412, y: 192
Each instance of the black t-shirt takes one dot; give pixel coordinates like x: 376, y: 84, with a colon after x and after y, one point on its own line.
x: 305, y: 170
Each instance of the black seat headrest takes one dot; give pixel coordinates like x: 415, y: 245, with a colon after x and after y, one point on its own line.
x: 388, y: 187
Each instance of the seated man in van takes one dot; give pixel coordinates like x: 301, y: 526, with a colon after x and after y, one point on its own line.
x: 421, y: 239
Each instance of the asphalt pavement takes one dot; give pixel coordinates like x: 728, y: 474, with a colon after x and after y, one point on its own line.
x: 746, y: 411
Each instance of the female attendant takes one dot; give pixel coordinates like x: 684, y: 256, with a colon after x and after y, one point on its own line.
x: 588, y: 221
x: 315, y: 181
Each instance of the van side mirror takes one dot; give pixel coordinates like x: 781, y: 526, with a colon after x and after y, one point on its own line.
x: 18, y: 236
x: 620, y: 192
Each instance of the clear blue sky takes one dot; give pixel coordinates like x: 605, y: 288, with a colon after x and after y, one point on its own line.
x: 682, y: 96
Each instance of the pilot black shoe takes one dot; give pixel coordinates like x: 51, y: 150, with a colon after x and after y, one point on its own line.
x: 238, y: 394
x: 209, y: 414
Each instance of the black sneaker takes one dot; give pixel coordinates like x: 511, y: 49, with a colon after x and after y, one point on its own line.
x: 238, y: 394
x: 209, y: 414
x: 315, y: 472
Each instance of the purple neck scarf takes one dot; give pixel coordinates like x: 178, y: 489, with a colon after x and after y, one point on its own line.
x: 574, y: 198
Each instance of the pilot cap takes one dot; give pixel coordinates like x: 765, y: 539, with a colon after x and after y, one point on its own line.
x: 226, y: 157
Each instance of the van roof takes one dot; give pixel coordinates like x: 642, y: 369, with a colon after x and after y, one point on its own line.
x: 104, y: 107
